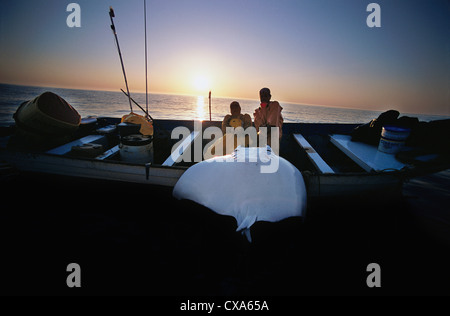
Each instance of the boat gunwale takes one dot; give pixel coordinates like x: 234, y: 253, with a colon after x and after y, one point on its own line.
x: 307, y: 129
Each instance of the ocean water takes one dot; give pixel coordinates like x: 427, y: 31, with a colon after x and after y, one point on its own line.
x: 182, y: 107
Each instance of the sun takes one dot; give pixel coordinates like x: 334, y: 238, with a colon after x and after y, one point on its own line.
x: 201, y: 83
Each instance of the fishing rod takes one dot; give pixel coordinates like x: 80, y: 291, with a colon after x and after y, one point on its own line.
x: 146, y: 112
x: 146, y: 76
x: 113, y: 28
x: 154, y: 122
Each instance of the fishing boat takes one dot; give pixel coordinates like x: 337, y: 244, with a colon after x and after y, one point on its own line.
x: 50, y: 138
x: 332, y: 165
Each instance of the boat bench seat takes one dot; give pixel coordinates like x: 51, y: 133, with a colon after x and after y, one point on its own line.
x: 177, y: 153
x: 66, y: 148
x: 366, y: 156
x: 315, y: 158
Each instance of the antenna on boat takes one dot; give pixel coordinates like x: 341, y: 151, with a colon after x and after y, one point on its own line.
x: 113, y: 28
x: 146, y: 76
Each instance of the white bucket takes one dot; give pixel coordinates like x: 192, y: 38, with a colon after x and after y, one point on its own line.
x: 393, y: 139
x: 136, y: 149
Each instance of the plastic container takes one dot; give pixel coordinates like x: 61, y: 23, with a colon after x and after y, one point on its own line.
x: 136, y: 149
x: 393, y: 139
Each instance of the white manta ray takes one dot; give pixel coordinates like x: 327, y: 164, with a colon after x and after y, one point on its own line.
x: 252, y: 184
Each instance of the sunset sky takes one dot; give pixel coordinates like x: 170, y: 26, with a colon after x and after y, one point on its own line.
x: 306, y: 51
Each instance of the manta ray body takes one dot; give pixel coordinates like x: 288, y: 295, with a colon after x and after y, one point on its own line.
x: 251, y: 184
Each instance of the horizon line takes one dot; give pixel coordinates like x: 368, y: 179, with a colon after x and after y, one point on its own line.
x: 223, y: 97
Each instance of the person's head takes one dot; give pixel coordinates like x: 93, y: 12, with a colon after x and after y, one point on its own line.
x: 235, y: 108
x: 264, y: 95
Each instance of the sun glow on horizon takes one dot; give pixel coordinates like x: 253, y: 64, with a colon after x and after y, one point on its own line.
x: 201, y: 84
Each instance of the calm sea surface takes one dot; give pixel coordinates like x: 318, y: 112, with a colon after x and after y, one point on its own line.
x: 164, y: 106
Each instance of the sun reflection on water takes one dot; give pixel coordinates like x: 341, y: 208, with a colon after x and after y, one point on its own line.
x: 201, y: 108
